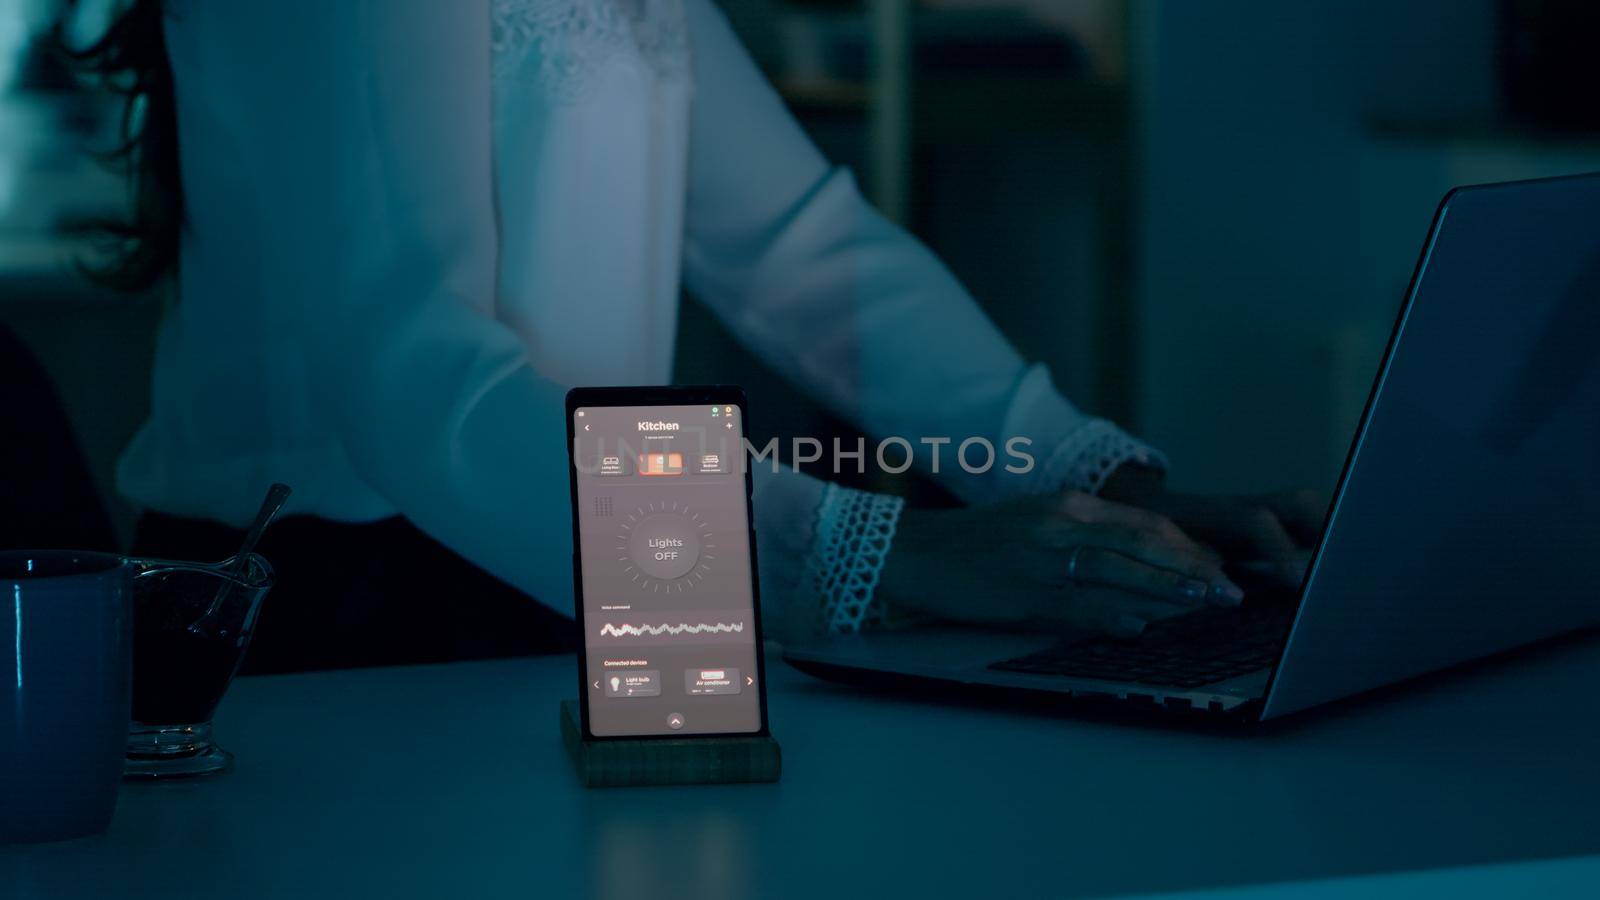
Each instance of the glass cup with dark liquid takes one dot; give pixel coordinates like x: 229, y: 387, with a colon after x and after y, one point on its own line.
x: 192, y: 623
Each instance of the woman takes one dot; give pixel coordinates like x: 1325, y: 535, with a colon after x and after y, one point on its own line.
x: 409, y: 226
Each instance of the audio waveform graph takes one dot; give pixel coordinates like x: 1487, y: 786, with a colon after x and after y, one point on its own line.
x: 625, y: 630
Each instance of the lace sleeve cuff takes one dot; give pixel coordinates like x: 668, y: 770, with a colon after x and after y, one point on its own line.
x: 1090, y: 454
x: 854, y: 531
x: 1072, y: 451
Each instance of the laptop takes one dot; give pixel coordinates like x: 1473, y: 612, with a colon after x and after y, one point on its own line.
x: 1466, y: 520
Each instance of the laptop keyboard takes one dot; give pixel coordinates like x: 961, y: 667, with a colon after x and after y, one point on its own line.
x: 1187, y: 651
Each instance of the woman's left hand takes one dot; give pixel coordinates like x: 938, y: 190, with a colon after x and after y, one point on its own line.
x: 1276, y: 531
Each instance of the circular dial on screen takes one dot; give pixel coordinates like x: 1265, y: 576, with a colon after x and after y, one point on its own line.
x: 666, y: 547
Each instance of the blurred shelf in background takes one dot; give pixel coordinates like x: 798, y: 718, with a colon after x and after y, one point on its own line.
x: 824, y: 94
x: 1484, y: 134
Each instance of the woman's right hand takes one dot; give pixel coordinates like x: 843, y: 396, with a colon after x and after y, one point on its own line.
x: 1067, y: 561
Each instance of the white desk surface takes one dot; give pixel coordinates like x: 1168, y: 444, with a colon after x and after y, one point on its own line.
x: 451, y: 781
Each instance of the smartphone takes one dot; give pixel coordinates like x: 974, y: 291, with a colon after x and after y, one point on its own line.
x: 664, y: 565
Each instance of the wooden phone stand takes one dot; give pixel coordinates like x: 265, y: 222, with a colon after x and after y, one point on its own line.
x: 660, y: 761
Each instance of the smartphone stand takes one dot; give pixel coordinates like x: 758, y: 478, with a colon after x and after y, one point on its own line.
x: 661, y: 761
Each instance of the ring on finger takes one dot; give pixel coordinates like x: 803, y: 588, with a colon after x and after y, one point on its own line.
x: 1072, y: 563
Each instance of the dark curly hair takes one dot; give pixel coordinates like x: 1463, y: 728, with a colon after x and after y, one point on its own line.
x: 130, y: 60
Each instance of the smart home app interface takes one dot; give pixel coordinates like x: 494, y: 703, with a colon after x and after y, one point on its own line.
x: 664, y: 550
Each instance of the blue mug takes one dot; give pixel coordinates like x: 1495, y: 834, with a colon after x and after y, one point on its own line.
x: 65, y: 673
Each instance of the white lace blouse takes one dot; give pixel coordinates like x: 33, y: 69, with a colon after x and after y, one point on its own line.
x: 412, y: 225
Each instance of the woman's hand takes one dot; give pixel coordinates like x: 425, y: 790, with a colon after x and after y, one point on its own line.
x: 1272, y: 531
x: 1068, y: 561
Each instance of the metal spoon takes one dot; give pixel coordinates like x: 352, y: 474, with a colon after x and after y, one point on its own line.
x: 276, y: 495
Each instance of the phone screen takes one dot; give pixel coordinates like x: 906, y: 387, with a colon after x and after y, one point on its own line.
x: 666, y: 588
